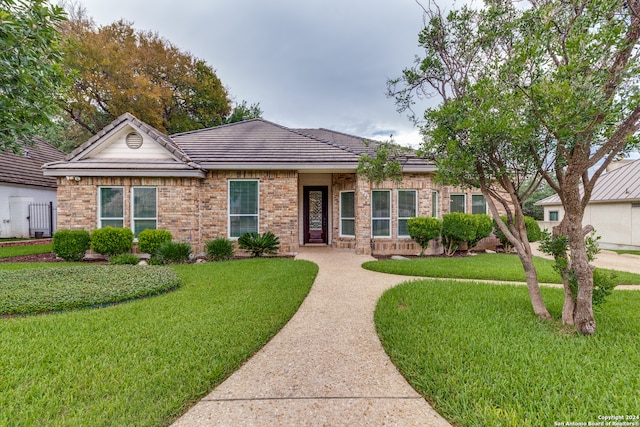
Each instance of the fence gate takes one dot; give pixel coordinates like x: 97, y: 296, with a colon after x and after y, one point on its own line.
x: 41, y: 219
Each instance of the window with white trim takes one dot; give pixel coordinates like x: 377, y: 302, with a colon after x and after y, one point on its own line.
x: 381, y: 213
x: 144, y: 202
x: 434, y: 204
x: 458, y: 203
x: 111, y: 207
x: 478, y: 204
x: 553, y: 215
x: 347, y: 214
x: 243, y: 207
x: 407, y: 208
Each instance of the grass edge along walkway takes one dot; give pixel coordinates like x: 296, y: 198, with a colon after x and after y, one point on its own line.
x: 146, y: 362
x: 480, y: 357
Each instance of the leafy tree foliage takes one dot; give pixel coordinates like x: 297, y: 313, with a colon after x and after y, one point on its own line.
x: 118, y: 69
x: 32, y: 81
x: 564, y: 74
x: 243, y: 112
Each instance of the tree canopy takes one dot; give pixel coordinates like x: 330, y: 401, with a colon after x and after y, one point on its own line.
x: 550, y: 88
x: 32, y: 81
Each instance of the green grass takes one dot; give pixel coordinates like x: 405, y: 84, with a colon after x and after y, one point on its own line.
x: 482, y: 267
x: 10, y: 251
x: 481, y: 357
x: 145, y: 362
x: 32, y: 291
x: 620, y: 252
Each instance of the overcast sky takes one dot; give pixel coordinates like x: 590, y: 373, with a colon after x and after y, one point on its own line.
x: 309, y: 63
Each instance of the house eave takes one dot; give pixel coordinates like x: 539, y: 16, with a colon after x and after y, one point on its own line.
x: 334, y: 167
x: 126, y: 172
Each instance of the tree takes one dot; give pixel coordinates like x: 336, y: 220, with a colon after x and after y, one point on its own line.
x: 566, y: 75
x: 472, y: 135
x: 118, y: 69
x: 243, y: 112
x: 32, y: 81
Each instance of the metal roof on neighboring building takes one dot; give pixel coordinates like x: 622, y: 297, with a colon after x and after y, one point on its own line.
x: 618, y: 185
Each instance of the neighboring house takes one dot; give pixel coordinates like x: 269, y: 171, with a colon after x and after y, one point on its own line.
x: 614, y: 208
x: 25, y: 193
x: 300, y: 184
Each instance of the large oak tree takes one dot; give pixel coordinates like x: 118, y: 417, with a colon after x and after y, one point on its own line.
x: 32, y: 81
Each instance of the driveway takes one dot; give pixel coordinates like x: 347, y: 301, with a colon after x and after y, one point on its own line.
x: 326, y: 367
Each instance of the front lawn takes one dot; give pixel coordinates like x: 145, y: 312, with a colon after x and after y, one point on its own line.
x: 11, y: 251
x: 145, y: 362
x: 503, y: 267
x: 480, y: 356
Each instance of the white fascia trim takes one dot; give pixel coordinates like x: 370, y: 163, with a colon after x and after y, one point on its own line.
x: 130, y: 172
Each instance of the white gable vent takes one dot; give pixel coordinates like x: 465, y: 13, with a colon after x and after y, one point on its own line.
x: 133, y: 140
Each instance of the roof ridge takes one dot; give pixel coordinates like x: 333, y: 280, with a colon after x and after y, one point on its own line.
x: 188, y: 132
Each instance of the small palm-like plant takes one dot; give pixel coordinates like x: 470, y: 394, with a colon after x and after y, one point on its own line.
x: 258, y: 244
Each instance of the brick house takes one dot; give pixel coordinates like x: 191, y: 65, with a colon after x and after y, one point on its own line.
x: 300, y: 184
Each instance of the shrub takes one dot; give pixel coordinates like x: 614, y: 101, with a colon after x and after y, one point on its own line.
x: 124, y: 259
x: 71, y: 245
x: 534, y: 234
x: 172, y: 253
x: 219, y: 249
x: 424, y: 229
x: 457, y: 228
x: 111, y: 240
x: 149, y: 240
x: 483, y: 227
x: 258, y: 245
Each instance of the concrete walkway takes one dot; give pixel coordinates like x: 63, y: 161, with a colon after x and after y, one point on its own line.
x: 326, y: 367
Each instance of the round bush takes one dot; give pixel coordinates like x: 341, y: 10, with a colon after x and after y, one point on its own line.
x: 424, y: 229
x: 457, y: 228
x: 483, y: 228
x: 534, y: 234
x: 111, y: 240
x: 220, y: 249
x: 71, y: 245
x: 150, y: 240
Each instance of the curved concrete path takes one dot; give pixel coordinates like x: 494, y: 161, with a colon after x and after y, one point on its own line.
x: 326, y: 367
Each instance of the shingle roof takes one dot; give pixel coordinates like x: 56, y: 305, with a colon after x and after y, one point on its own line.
x: 259, y: 141
x: 26, y: 169
x: 618, y: 185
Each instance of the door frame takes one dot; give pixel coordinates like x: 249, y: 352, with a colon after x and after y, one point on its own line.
x: 325, y: 212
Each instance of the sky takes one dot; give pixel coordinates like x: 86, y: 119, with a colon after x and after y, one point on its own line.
x: 309, y: 63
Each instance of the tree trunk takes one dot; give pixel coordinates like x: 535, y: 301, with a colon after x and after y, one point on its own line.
x: 569, y: 306
x: 539, y: 307
x: 584, y: 320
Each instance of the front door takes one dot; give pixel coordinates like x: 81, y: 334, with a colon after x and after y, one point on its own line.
x: 315, y: 214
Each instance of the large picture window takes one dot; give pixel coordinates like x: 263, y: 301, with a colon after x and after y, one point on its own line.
x: 381, y: 213
x: 243, y: 207
x: 458, y: 203
x: 407, y: 208
x: 145, y: 209
x: 347, y: 214
x: 478, y: 204
x: 111, y: 209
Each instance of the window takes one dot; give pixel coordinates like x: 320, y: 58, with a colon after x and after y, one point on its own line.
x: 553, y: 215
x: 381, y: 213
x: 243, y: 207
x: 347, y: 214
x: 407, y: 208
x: 434, y: 204
x: 478, y: 205
x: 111, y: 209
x: 145, y: 209
x: 458, y: 203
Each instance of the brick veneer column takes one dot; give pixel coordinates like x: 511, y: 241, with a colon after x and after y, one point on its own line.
x: 363, y: 216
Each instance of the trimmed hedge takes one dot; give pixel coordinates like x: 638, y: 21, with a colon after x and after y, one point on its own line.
x: 424, y: 229
x: 150, y: 240
x: 71, y: 245
x: 111, y: 240
x: 534, y: 234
